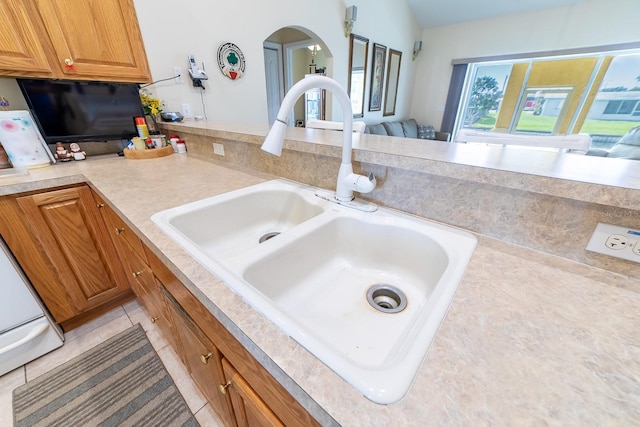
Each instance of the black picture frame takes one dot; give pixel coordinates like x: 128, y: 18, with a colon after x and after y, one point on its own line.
x: 377, y: 76
x: 393, y: 79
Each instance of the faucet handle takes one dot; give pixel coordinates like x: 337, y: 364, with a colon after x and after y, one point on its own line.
x: 364, y: 184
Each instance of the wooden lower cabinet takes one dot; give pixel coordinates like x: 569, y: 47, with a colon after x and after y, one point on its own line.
x: 238, y: 388
x: 83, y: 259
x: 137, y: 271
x: 202, y: 358
x: 61, y: 241
x: 249, y: 408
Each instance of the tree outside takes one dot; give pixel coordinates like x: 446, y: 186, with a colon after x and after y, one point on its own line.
x: 485, y: 95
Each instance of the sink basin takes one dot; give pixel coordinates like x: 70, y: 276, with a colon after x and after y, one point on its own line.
x: 322, y: 279
x: 230, y: 224
x: 365, y: 292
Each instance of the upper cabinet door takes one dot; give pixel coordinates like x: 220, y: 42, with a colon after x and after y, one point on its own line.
x: 20, y: 47
x: 96, y: 39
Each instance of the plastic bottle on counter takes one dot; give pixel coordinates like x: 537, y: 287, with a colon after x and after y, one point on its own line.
x: 141, y: 127
x: 174, y: 142
x: 181, y: 146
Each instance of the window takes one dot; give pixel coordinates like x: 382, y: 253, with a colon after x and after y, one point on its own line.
x: 545, y: 113
x: 612, y: 107
x: 594, y: 93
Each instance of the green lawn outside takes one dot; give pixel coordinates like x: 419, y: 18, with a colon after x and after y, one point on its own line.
x: 607, y: 127
x: 542, y: 124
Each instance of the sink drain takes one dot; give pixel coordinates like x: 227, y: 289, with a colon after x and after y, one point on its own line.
x: 386, y: 298
x: 268, y: 236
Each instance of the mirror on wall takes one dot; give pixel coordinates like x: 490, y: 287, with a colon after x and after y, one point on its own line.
x: 358, y: 49
x: 393, y: 76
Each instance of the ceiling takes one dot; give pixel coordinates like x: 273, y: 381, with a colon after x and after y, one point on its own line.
x: 433, y: 13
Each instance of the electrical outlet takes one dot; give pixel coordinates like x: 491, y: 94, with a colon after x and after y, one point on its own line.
x: 177, y: 71
x: 186, y: 110
x: 619, y: 242
x: 218, y: 149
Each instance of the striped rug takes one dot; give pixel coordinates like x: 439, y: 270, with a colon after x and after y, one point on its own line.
x: 121, y: 382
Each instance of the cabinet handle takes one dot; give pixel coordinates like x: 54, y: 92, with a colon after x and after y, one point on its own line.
x: 137, y: 273
x: 100, y: 205
x: 68, y: 62
x: 154, y: 319
x: 204, y: 358
x: 119, y: 230
x: 223, y: 387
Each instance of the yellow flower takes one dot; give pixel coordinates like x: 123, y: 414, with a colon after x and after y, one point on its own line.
x: 150, y: 105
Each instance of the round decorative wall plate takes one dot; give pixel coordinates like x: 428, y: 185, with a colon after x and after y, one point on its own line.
x: 231, y: 61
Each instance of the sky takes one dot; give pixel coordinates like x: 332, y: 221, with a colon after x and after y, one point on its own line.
x: 623, y: 72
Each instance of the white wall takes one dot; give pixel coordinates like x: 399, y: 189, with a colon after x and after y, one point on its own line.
x: 10, y: 90
x: 171, y: 31
x: 591, y: 23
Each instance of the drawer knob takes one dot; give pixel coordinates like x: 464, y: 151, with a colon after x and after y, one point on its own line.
x: 223, y: 387
x: 154, y: 319
x: 137, y: 273
x: 100, y: 205
x: 119, y: 230
x: 68, y: 62
x: 204, y: 358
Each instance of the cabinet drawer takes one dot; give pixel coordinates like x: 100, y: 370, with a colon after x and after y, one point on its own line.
x: 120, y: 230
x: 143, y: 284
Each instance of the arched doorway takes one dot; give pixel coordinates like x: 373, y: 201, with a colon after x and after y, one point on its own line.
x: 289, y: 54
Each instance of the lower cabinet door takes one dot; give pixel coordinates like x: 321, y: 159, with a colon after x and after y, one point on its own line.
x: 75, y: 239
x: 203, y: 360
x: 250, y: 410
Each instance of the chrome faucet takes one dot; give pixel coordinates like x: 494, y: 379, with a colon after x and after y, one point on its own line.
x: 347, y: 181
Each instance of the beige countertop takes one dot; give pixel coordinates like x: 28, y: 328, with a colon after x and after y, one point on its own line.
x: 529, y: 339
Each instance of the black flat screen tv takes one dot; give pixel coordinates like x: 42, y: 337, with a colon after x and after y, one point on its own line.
x: 71, y: 111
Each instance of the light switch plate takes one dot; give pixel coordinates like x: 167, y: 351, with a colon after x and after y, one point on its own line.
x: 218, y: 149
x: 186, y: 110
x: 619, y: 242
x: 177, y: 71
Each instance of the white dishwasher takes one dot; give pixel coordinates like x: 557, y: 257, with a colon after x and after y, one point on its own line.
x: 26, y: 328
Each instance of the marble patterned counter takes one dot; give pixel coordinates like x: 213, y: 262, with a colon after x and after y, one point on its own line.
x: 530, y: 338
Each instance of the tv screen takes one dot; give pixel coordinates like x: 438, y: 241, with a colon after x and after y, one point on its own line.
x: 69, y: 111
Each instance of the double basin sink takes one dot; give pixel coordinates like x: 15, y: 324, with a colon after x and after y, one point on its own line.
x: 365, y: 292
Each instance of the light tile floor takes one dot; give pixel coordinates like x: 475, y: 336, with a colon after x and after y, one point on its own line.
x: 87, y: 336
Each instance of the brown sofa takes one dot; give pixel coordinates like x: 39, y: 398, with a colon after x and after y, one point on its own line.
x: 407, y: 129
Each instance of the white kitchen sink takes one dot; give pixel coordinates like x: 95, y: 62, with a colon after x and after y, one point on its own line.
x: 232, y: 223
x: 365, y: 292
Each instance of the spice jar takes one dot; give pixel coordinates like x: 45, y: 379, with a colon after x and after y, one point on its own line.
x: 181, y: 146
x: 174, y: 142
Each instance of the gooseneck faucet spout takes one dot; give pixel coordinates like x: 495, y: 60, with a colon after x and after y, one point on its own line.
x: 347, y: 181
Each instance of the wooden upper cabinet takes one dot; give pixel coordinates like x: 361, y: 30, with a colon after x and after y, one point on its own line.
x: 20, y: 47
x: 72, y: 39
x: 97, y: 39
x: 71, y: 232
